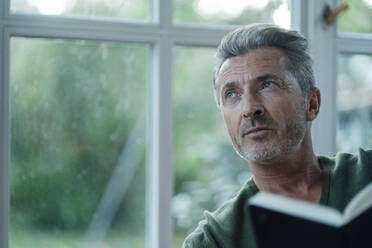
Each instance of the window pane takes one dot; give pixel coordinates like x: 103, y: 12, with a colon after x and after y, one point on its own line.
x: 357, y: 18
x: 232, y: 12
x: 133, y: 9
x: 354, y: 91
x: 78, y: 118
x: 207, y: 169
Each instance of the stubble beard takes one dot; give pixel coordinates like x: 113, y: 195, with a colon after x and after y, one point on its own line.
x: 278, y: 146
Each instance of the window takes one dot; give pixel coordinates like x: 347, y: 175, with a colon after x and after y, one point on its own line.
x: 78, y: 136
x: 354, y: 102
x: 100, y: 117
x: 76, y: 126
x: 354, y: 105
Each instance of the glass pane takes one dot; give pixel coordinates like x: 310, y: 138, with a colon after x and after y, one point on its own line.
x: 232, y: 11
x: 133, y: 9
x: 207, y: 169
x: 78, y: 138
x: 354, y: 91
x: 357, y: 18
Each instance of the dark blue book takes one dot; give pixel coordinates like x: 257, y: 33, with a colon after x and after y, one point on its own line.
x: 280, y: 221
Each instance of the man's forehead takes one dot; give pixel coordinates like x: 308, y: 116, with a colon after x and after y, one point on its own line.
x: 261, y: 60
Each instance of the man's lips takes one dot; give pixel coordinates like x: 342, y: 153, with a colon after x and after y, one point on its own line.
x: 256, y: 130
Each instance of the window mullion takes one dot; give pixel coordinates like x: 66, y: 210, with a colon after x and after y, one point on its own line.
x: 299, y: 16
x: 4, y: 137
x: 161, y: 234
x: 163, y: 13
x: 322, y: 40
x: 193, y: 35
x: 61, y: 27
x: 162, y: 146
x: 4, y: 8
x: 355, y: 43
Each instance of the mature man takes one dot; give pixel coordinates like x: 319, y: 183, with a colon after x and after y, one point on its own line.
x: 264, y: 86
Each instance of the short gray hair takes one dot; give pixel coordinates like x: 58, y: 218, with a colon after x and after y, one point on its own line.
x: 254, y: 36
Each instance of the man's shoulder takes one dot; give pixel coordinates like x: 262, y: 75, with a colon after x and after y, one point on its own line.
x: 348, y: 173
x: 224, y: 225
x: 343, y: 160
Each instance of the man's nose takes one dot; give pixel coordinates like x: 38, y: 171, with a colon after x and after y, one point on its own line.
x: 252, y: 107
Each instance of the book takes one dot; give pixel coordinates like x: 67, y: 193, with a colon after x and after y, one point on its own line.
x: 280, y: 221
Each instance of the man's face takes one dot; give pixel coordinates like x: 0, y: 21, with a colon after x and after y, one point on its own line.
x: 262, y: 105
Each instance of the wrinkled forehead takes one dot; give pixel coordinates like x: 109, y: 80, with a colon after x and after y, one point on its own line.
x: 252, y: 64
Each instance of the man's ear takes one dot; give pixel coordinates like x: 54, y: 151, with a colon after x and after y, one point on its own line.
x: 314, y: 100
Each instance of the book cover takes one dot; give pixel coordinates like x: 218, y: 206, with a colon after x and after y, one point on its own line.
x: 280, y: 221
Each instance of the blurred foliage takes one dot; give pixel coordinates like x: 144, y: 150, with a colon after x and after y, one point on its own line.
x: 134, y: 9
x: 354, y: 115
x: 74, y: 105
x: 186, y: 11
x: 357, y: 18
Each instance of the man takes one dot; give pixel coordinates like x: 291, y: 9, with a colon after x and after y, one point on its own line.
x: 264, y: 86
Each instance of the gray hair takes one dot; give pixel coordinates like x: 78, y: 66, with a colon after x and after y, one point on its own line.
x: 250, y: 37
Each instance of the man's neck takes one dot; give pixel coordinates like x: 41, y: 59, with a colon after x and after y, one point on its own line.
x: 298, y: 176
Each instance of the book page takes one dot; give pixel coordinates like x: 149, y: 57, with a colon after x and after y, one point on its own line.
x: 298, y: 208
x: 360, y: 203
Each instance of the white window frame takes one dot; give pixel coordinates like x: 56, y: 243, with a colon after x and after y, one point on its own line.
x: 162, y: 35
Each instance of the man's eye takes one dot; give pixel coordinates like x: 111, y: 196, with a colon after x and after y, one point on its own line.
x: 230, y: 95
x: 267, y: 84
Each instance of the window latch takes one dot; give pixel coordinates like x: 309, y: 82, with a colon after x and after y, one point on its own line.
x: 329, y: 16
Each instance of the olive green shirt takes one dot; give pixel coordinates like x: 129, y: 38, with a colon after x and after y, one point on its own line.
x: 230, y: 226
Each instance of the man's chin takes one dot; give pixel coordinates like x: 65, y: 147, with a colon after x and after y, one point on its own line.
x: 261, y: 158
x: 263, y: 155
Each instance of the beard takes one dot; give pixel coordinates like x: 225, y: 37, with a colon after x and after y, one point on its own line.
x: 265, y: 149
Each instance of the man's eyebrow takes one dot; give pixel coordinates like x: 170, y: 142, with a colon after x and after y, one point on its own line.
x: 267, y: 76
x: 230, y: 85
